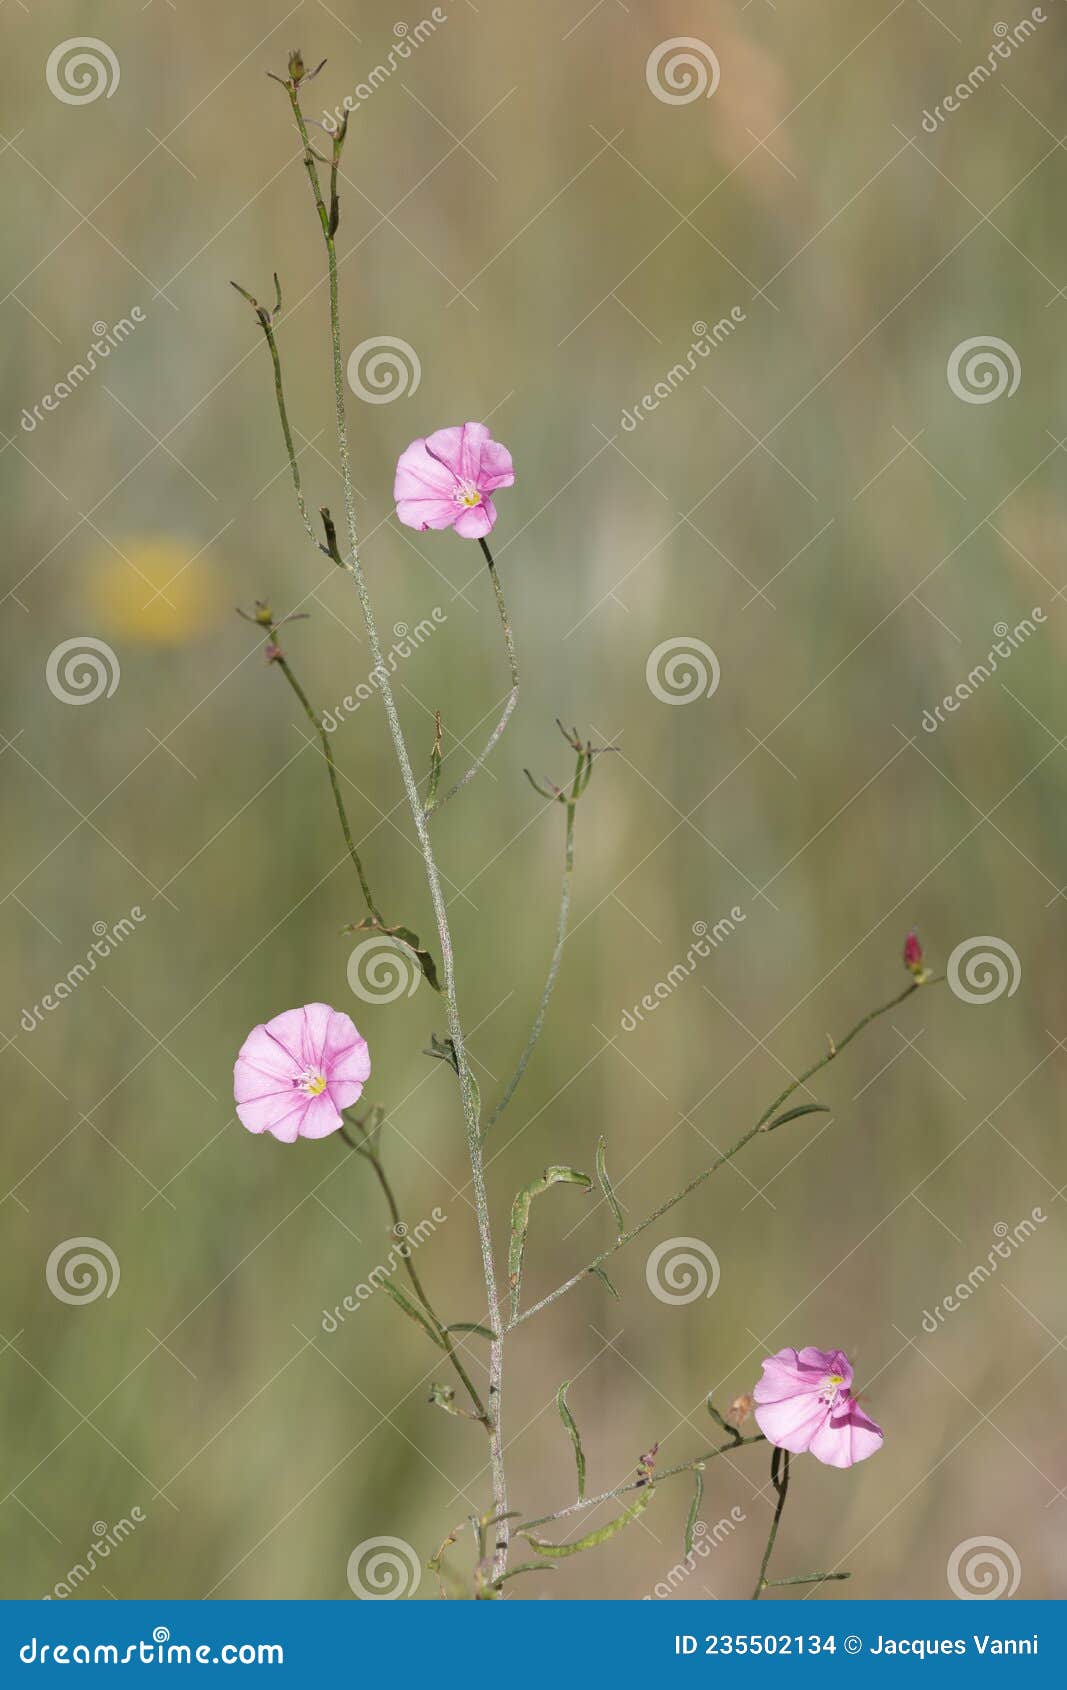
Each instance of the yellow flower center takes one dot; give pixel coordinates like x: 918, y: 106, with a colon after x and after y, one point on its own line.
x: 468, y: 497
x: 314, y: 1084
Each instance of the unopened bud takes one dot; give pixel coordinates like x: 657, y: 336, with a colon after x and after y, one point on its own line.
x: 913, y: 957
x: 740, y: 1409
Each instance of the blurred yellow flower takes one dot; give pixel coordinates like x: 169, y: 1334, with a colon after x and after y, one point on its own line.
x: 153, y: 588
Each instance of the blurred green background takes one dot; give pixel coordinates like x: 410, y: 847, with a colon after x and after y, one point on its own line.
x: 814, y: 503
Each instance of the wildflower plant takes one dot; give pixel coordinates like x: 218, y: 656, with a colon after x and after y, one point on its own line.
x: 301, y: 1073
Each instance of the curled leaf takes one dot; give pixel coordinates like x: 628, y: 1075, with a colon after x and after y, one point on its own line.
x: 694, y: 1511
x: 556, y: 1551
x: 606, y: 1186
x: 520, y: 1220
x: 575, y: 1436
x: 404, y: 937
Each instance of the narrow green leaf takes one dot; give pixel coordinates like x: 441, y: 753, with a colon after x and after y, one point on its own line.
x: 412, y: 1311
x: 694, y: 1511
x: 558, y: 1550
x: 606, y: 1186
x: 575, y: 1436
x: 520, y: 1220
x: 471, y: 1326
x: 599, y: 1271
x: 793, y: 1114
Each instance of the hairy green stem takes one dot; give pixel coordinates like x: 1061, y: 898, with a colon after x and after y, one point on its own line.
x: 780, y: 1481
x: 720, y: 1161
x: 433, y: 804
x: 468, y: 1089
x: 623, y: 1490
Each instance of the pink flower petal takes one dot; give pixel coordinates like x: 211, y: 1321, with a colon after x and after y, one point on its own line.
x: 847, y: 1437
x: 793, y: 1422
x: 426, y: 513
x: 281, y: 1114
x: 497, y: 468
x: 477, y: 521
x: 321, y: 1117
x: 460, y: 449
x: 419, y: 476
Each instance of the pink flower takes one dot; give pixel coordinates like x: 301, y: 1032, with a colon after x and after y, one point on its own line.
x: 913, y: 955
x: 445, y: 480
x: 804, y: 1402
x: 293, y: 1075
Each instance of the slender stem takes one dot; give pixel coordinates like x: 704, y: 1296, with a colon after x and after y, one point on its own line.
x: 550, y: 980
x: 365, y: 1149
x: 780, y: 1481
x: 623, y: 1490
x: 467, y: 1086
x: 266, y: 323
x: 324, y: 739
x: 836, y: 1048
x: 720, y: 1161
x: 434, y: 805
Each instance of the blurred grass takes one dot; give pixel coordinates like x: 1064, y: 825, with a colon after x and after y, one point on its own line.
x: 278, y: 1454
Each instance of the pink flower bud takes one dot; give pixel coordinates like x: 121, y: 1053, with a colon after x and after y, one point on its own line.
x: 913, y: 955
